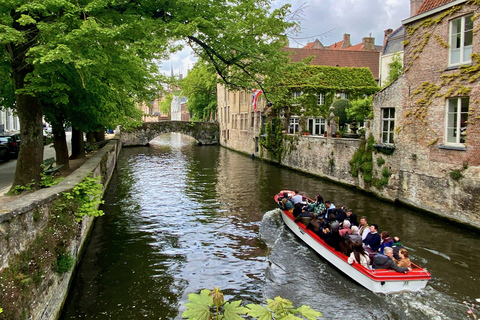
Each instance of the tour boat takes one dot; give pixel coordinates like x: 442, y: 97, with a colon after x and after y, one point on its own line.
x: 378, y: 281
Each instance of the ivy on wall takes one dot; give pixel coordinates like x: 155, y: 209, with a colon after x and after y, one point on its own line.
x: 449, y: 83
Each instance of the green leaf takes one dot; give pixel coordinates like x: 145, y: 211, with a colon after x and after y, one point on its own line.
x: 309, y: 313
x: 26, y: 19
x: 199, y: 307
x: 289, y: 317
x: 279, y: 304
x: 259, y: 312
x: 233, y: 309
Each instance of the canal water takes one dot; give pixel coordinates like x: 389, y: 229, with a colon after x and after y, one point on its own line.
x: 180, y: 218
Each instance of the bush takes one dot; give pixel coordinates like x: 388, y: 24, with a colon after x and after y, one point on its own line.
x: 64, y: 262
x: 380, y: 161
x: 456, y: 174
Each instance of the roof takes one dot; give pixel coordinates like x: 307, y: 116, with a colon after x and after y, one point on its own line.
x: 428, y: 5
x: 338, y: 58
x: 394, y: 42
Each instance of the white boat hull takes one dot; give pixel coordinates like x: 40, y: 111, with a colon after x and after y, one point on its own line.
x: 377, y: 281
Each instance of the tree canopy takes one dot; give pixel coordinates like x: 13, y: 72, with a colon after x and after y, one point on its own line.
x: 200, y: 88
x: 94, y: 59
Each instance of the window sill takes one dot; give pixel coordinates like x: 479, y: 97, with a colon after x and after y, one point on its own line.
x: 458, y: 66
x: 447, y: 147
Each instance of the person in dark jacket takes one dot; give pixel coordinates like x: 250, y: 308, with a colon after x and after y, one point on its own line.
x: 381, y: 261
x: 396, y: 246
x: 352, y: 217
x: 373, y: 238
x: 341, y: 215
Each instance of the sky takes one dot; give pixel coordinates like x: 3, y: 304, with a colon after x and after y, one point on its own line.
x: 327, y: 20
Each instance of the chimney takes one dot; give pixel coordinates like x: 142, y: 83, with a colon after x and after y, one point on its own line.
x: 368, y: 44
x: 414, y: 6
x: 346, y: 41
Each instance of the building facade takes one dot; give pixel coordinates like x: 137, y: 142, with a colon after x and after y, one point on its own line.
x: 8, y: 121
x: 431, y: 114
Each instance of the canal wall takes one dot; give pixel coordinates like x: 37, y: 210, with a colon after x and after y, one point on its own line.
x: 405, y: 176
x: 25, y: 221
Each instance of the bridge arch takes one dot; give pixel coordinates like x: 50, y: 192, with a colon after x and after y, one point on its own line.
x: 206, y: 133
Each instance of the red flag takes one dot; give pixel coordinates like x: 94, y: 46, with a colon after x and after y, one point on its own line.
x: 256, y: 93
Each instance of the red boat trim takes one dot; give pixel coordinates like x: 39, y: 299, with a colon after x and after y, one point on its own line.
x: 376, y: 275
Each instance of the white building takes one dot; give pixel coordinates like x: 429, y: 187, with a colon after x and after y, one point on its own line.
x: 8, y: 121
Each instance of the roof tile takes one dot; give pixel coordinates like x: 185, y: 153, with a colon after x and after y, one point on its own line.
x: 428, y: 5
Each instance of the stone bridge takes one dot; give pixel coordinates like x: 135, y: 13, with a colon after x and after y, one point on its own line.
x: 206, y: 133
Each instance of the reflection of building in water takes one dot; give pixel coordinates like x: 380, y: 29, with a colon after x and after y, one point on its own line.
x: 8, y: 121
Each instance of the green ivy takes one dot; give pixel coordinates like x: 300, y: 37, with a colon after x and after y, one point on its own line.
x: 87, y: 194
x: 64, y: 262
x: 380, y: 161
x: 211, y: 305
x: 456, y: 174
x: 362, y: 161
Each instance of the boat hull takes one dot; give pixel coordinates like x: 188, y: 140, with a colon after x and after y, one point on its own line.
x: 378, y: 281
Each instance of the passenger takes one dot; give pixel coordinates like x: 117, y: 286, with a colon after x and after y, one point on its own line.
x: 352, y: 217
x: 304, y: 217
x: 315, y: 224
x: 404, y: 259
x: 345, y: 228
x: 296, y: 198
x: 363, y: 229
x: 336, y: 239
x: 282, y: 196
x: 318, y: 206
x: 381, y: 261
x: 329, y: 207
x: 297, y: 209
x: 346, y: 245
x: 332, y: 221
x: 386, y: 241
x: 354, y: 236
x: 326, y: 234
x: 286, y: 205
x: 396, y: 246
x: 341, y: 215
x: 359, y: 255
x: 373, y: 238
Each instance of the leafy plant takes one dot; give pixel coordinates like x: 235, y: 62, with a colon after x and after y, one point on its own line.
x: 19, y: 189
x: 64, y: 262
x: 211, y: 305
x: 395, y: 69
x: 87, y: 194
x: 361, y: 109
x: 340, y: 110
x: 380, y: 161
x: 456, y: 174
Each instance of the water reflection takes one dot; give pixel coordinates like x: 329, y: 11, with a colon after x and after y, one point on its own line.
x: 180, y: 218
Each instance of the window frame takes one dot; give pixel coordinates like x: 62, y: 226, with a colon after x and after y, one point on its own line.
x: 390, y: 130
x: 295, y: 122
x: 458, y: 126
x: 320, y: 99
x: 317, y: 123
x: 462, y: 47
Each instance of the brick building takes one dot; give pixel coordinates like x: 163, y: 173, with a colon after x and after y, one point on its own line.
x: 431, y: 114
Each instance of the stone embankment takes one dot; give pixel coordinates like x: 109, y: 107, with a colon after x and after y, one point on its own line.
x: 23, y: 220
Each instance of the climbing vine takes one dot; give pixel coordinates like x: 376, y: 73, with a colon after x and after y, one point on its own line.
x: 451, y: 83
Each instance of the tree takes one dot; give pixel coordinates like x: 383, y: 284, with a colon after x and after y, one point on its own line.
x: 200, y: 88
x: 395, y: 69
x: 240, y: 38
x: 341, y: 107
x: 166, y: 105
x: 361, y: 109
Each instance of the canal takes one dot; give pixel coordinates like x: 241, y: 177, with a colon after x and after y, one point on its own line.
x: 180, y: 218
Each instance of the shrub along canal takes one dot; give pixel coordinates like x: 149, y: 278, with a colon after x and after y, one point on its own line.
x: 180, y: 218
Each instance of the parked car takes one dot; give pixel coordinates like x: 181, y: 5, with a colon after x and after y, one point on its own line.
x: 12, y: 142
x: 4, y: 153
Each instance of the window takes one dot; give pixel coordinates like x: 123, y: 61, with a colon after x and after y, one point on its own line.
x: 461, y: 35
x: 317, y: 126
x: 253, y: 119
x: 320, y: 99
x: 296, y: 94
x: 243, y: 121
x: 457, y: 115
x: 294, y: 123
x: 343, y: 95
x: 234, y: 121
x: 388, y: 124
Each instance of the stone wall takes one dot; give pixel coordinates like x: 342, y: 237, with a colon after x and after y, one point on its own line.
x: 23, y: 219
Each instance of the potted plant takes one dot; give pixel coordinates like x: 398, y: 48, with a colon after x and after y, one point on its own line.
x: 306, y: 132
